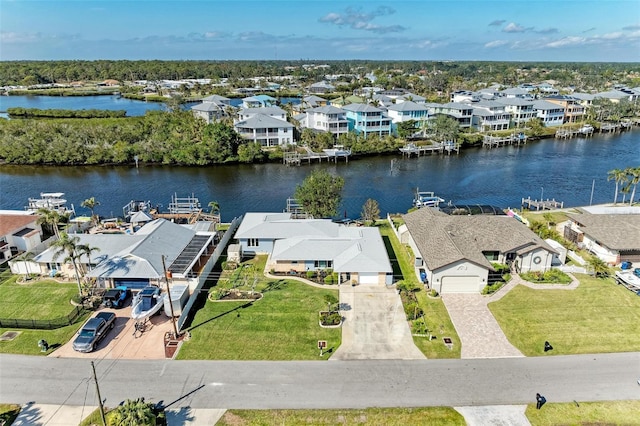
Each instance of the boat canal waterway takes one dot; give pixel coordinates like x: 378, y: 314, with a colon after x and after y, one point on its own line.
x: 560, y: 169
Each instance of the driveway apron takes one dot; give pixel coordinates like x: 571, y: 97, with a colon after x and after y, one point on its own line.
x: 375, y: 326
x: 479, y: 332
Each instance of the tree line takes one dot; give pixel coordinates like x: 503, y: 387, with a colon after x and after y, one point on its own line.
x: 19, y: 112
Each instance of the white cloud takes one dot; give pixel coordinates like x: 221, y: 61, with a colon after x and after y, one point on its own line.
x: 495, y: 43
x: 512, y: 27
x: 568, y: 41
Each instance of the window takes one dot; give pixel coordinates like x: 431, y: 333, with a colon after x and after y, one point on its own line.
x: 253, y: 242
x: 322, y: 264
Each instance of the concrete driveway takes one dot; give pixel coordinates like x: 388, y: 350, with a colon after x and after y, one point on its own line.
x: 375, y: 326
x: 122, y: 342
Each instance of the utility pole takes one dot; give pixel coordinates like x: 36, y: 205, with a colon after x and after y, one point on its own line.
x: 95, y: 379
x: 167, y: 276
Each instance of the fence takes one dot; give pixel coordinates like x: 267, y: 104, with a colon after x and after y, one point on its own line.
x: 51, y: 324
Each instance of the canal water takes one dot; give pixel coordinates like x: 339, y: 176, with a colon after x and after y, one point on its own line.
x: 560, y: 169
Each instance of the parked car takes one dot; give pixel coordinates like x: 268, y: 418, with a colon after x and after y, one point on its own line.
x: 93, y: 331
x: 116, y: 297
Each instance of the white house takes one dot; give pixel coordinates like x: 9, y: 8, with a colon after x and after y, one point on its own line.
x: 358, y: 254
x: 265, y: 130
x: 366, y: 120
x: 406, y: 111
x: 455, y: 252
x: 19, y: 232
x: 461, y: 112
x: 212, y: 108
x: 273, y: 112
x: 490, y: 115
x: 521, y: 109
x: 328, y: 119
x: 551, y: 114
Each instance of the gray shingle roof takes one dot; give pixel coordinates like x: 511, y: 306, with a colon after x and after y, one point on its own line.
x: 407, y: 106
x: 615, y: 231
x: 361, y: 108
x: 207, y: 107
x: 443, y: 239
x: 261, y: 121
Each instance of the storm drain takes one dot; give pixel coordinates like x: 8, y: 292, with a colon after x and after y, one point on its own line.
x: 8, y: 336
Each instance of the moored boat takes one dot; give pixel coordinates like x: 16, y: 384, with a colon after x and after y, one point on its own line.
x: 426, y: 199
x: 409, y: 148
x: 337, y: 151
x: 51, y: 201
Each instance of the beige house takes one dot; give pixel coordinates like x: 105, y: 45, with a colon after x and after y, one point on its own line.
x: 453, y: 254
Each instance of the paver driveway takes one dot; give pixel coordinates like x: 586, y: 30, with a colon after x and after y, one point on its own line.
x: 374, y: 325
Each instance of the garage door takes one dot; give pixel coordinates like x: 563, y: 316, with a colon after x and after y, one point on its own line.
x: 460, y: 285
x: 133, y: 284
x: 365, y: 278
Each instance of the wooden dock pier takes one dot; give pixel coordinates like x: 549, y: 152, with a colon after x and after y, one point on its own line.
x: 489, y: 141
x: 541, y: 204
x: 297, y: 158
x: 438, y: 148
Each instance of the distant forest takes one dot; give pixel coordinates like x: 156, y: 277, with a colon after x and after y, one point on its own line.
x: 439, y: 75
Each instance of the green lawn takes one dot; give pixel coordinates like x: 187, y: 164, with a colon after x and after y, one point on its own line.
x: 435, y: 313
x: 38, y: 300
x: 370, y: 416
x: 26, y: 343
x: 283, y: 325
x: 586, y: 413
x: 8, y: 413
x: 599, y: 316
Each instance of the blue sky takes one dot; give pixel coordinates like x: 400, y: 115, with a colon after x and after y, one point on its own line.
x: 515, y: 30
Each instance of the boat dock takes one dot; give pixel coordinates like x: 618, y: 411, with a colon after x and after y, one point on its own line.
x: 541, y: 204
x: 296, y: 209
x: 297, y: 158
x: 496, y: 141
x: 438, y: 148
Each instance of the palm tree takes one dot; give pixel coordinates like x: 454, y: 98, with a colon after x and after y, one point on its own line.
x: 215, y: 207
x: 598, y: 267
x: 49, y: 218
x: 619, y: 176
x: 633, y: 176
x: 27, y: 257
x: 68, y: 246
x: 91, y: 204
x: 133, y: 412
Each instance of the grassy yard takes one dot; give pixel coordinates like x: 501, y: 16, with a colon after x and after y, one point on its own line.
x: 42, y: 300
x: 599, y: 316
x: 283, y: 325
x: 435, y: 313
x: 587, y: 413
x: 370, y: 416
x: 8, y: 413
x: 37, y: 300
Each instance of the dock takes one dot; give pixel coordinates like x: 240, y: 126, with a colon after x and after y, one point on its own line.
x: 438, y: 148
x: 489, y: 141
x: 541, y: 204
x: 297, y: 158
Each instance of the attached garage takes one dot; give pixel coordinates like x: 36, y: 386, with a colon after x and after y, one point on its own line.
x: 368, y: 278
x: 460, y: 284
x: 132, y: 283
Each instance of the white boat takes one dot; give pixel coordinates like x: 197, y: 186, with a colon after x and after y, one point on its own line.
x: 49, y: 200
x: 146, y: 303
x: 587, y: 129
x: 337, y: 151
x: 426, y: 199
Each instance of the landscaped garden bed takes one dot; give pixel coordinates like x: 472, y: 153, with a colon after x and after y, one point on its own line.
x: 552, y: 276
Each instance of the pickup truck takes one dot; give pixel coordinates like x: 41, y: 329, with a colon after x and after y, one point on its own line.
x: 93, y: 331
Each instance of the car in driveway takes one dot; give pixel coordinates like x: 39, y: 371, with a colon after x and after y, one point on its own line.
x: 116, y: 297
x: 93, y: 331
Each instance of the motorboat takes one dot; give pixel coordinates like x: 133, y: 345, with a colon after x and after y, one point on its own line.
x: 587, y: 129
x: 426, y: 199
x: 337, y: 151
x: 48, y: 200
x: 146, y: 303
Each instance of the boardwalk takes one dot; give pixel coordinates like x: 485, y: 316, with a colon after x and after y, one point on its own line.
x: 496, y: 141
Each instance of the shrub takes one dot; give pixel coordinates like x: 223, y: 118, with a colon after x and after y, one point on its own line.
x: 413, y: 311
x: 330, y: 318
x: 551, y: 276
x: 433, y: 293
x: 493, y: 287
x: 311, y: 274
x: 331, y: 279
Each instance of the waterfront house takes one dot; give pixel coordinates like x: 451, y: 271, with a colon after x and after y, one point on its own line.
x: 273, y: 112
x: 521, y: 109
x: 517, y: 92
x: 461, y: 112
x: 455, y: 252
x: 573, y: 110
x: 490, y: 115
x: 613, y: 237
x: 550, y: 113
x: 212, y: 108
x: 259, y: 101
x: 134, y: 259
x: 321, y: 87
x: 313, y: 101
x: 217, y: 99
x: 366, y: 120
x: 19, y: 232
x: 265, y: 130
x: 357, y: 254
x: 584, y: 99
x: 406, y: 111
x: 327, y: 119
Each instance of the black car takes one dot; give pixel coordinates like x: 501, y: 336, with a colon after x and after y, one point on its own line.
x: 116, y: 297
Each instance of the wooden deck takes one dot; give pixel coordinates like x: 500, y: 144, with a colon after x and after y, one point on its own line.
x: 541, y: 204
x: 496, y: 141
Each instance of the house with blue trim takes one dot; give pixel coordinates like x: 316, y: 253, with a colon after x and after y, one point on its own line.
x: 366, y: 120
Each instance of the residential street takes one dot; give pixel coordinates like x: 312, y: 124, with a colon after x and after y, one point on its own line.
x: 310, y: 384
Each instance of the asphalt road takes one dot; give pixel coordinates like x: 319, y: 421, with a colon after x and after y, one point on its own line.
x: 333, y: 384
